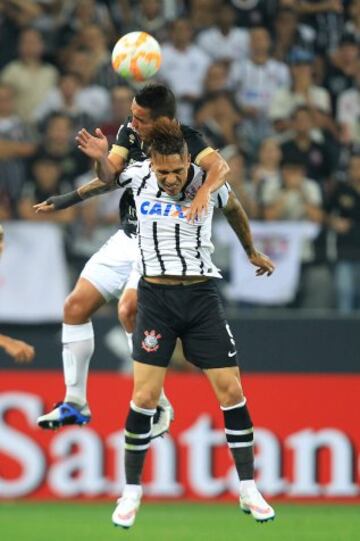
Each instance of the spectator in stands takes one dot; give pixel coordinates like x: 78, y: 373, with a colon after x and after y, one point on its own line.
x: 95, y: 98
x: 303, y: 91
x: 297, y: 198
x: 202, y: 14
x: 216, y: 79
x: 290, y: 34
x: 254, y: 82
x: 353, y: 25
x: 240, y: 184
x: 342, y: 68
x: 150, y: 17
x: 121, y: 99
x: 16, y: 144
x: 304, y: 147
x: 225, y: 41
x: 45, y: 181
x: 58, y: 145
x: 327, y: 19
x: 184, y: 67
x: 344, y: 219
x: 29, y: 75
x: 348, y: 112
x: 252, y: 13
x: 268, y: 164
x: 218, y: 118
x: 66, y: 98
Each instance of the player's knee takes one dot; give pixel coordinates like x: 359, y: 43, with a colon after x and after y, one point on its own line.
x: 126, y: 314
x: 230, y: 393
x: 146, y: 398
x: 75, y: 310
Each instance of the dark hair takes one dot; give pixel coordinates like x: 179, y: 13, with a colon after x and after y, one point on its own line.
x: 167, y: 138
x: 158, y: 98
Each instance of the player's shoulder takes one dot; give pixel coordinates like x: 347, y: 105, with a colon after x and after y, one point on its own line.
x: 188, y: 131
x: 135, y: 172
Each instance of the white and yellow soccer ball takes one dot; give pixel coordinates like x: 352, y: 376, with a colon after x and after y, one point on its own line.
x: 136, y: 56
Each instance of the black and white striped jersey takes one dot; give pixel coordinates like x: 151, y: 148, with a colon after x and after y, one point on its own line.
x: 168, y: 243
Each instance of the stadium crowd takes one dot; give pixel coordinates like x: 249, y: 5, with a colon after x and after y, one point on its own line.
x: 273, y: 84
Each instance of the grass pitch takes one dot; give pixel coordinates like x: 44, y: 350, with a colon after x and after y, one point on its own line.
x: 65, y: 521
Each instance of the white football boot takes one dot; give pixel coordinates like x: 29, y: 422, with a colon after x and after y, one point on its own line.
x: 252, y: 502
x: 64, y: 414
x: 127, y: 506
x: 163, y: 417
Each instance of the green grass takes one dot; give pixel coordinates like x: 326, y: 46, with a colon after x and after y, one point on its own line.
x: 25, y: 521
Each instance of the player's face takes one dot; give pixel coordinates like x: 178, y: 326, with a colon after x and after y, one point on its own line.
x: 171, y: 171
x: 141, y: 120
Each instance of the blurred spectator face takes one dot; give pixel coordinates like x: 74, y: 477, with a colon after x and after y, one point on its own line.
x: 92, y: 38
x: 349, y: 52
x: 270, y: 153
x: 46, y: 175
x: 216, y: 77
x: 226, y: 17
x: 85, y: 10
x: 259, y: 41
x: 354, y: 170
x: 181, y: 33
x: 121, y: 99
x: 31, y: 46
x: 302, y: 122
x: 286, y: 24
x: 69, y: 85
x: 301, y: 72
x: 7, y: 104
x: 151, y: 8
x: 292, y: 175
x: 81, y: 63
x: 354, y: 9
x: 59, y: 130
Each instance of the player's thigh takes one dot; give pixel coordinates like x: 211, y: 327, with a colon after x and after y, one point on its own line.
x: 148, y: 382
x: 226, y: 384
x: 208, y: 341
x: 155, y: 335
x: 84, y: 300
x: 127, y: 305
x: 109, y: 269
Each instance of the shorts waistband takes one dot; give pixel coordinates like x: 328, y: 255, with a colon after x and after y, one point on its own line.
x: 180, y: 285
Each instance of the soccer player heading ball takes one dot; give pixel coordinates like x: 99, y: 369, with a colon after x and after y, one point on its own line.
x: 177, y: 298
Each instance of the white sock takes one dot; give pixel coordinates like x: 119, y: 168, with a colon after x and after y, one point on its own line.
x: 248, y: 484
x: 129, y: 339
x: 134, y: 491
x: 78, y: 348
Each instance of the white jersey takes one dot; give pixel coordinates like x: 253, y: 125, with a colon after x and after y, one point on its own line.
x: 168, y: 243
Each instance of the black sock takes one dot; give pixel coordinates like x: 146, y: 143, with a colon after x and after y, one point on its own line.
x: 240, y: 437
x: 137, y: 442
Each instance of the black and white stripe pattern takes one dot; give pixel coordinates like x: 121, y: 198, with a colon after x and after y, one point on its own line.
x: 239, y: 431
x: 138, y: 429
x: 178, y: 249
x: 197, y: 248
x: 156, y: 246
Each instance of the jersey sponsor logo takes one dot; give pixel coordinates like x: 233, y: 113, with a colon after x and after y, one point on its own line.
x: 151, y: 341
x: 148, y: 208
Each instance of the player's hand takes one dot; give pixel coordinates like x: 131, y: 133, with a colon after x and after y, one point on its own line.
x: 44, y: 207
x: 200, y: 205
x: 95, y: 146
x: 19, y: 350
x: 263, y: 263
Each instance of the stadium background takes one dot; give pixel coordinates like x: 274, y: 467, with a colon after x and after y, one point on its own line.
x: 281, y: 77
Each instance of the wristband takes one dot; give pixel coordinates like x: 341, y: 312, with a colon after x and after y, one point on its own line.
x: 64, y: 201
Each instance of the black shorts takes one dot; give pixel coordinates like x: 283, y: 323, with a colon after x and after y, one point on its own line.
x: 193, y: 313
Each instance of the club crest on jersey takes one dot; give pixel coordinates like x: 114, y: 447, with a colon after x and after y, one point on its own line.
x: 151, y: 341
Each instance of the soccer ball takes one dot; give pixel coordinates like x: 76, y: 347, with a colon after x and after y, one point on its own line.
x: 136, y: 56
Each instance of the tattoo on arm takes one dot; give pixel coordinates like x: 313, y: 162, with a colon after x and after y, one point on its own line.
x: 239, y: 222
x: 96, y: 187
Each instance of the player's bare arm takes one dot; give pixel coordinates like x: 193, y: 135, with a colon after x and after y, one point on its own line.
x: 239, y: 222
x: 17, y: 349
x: 216, y: 171
x: 107, y: 165
x: 86, y: 191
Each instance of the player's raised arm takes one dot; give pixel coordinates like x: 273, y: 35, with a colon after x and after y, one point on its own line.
x: 238, y: 220
x: 216, y: 170
x: 107, y: 165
